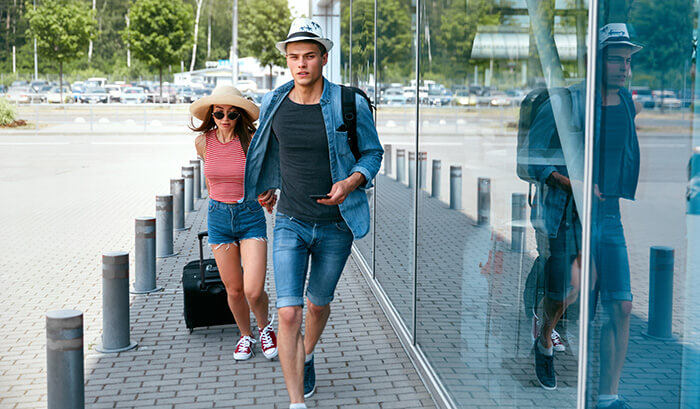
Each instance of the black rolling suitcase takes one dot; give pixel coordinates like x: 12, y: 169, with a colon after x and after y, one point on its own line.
x: 205, y: 299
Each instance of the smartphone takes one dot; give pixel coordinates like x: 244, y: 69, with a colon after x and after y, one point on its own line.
x: 315, y: 197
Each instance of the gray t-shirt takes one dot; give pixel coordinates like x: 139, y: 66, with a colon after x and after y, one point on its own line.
x: 304, y: 162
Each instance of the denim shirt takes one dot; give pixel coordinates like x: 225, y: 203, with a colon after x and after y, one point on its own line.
x: 262, y: 170
x: 550, y: 203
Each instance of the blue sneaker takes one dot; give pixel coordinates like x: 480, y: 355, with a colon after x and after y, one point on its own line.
x: 544, y: 368
x: 309, y: 378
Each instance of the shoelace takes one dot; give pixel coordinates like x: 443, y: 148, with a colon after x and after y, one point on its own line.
x: 556, y: 338
x: 265, y: 338
x: 245, y: 342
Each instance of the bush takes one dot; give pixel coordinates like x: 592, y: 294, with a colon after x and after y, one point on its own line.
x: 7, y: 112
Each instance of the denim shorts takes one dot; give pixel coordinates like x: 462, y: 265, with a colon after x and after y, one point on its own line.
x: 609, y: 251
x: 233, y: 222
x: 294, y: 242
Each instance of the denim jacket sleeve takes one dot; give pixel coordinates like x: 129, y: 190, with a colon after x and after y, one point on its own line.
x: 368, y: 144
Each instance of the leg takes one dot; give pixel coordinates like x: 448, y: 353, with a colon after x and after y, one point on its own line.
x: 254, y: 258
x: 614, y: 339
x: 228, y: 259
x: 328, y: 257
x: 316, y: 319
x: 290, y: 258
x: 291, y: 351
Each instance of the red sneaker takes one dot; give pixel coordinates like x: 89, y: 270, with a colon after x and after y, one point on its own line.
x: 268, y: 341
x: 244, y: 348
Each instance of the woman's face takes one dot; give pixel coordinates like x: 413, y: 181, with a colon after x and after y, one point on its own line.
x: 225, y: 112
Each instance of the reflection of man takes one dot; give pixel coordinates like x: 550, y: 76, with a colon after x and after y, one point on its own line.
x: 616, y: 171
x: 302, y: 147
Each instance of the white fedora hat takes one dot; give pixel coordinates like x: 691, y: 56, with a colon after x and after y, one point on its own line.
x: 616, y: 34
x: 224, y: 95
x: 304, y: 29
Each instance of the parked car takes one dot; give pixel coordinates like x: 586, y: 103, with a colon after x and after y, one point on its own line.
x: 666, y: 99
x: 114, y: 91
x: 38, y: 84
x: 644, y: 96
x: 464, y: 98
x: 439, y: 96
x: 500, y: 99
x: 24, y: 95
x: 184, y: 94
x: 169, y: 95
x: 133, y: 95
x: 393, y: 96
x: 199, y: 93
x: 95, y: 95
x: 53, y: 96
x: 78, y: 90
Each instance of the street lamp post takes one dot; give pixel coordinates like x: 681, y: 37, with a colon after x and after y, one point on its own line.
x: 234, y: 45
x: 36, y: 60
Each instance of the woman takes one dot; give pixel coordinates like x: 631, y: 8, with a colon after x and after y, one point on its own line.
x: 237, y: 228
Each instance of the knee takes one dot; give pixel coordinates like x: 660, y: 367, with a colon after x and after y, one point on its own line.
x: 626, y: 308
x: 253, y: 296
x: 290, y: 316
x: 317, y: 311
x: 235, y: 293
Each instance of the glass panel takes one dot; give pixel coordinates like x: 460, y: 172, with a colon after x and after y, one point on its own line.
x: 397, y: 131
x: 643, y: 324
x: 363, y: 77
x: 498, y: 239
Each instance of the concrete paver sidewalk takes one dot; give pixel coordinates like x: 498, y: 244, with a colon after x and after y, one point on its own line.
x: 359, y: 361
x: 69, y: 199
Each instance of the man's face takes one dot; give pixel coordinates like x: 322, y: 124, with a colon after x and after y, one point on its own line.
x: 305, y: 62
x: 617, y: 66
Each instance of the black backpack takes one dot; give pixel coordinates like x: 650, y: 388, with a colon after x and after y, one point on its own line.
x: 350, y: 115
x: 528, y: 110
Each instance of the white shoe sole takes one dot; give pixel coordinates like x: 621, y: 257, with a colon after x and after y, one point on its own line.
x: 308, y: 395
x: 270, y: 356
x: 243, y: 357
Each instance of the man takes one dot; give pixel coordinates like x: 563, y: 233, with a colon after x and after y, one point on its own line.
x: 616, y: 173
x: 301, y: 147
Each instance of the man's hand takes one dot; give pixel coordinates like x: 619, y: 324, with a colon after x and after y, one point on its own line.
x: 268, y: 199
x: 340, y: 190
x: 559, y: 181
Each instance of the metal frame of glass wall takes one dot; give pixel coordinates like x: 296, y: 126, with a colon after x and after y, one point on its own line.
x: 408, y: 334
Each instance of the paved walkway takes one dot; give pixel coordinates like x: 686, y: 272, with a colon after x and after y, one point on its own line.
x: 68, y: 200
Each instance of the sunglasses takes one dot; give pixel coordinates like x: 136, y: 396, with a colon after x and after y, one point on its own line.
x: 232, y: 115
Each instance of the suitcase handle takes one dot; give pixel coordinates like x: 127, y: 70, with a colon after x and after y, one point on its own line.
x: 200, y: 236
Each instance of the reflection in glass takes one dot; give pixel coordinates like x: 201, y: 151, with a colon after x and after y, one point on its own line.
x: 486, y: 275
x: 397, y: 130
x: 637, y: 241
x: 360, y: 73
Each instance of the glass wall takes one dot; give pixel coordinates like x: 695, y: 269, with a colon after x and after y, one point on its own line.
x: 641, y: 238
x: 535, y: 227
x: 479, y: 257
x: 396, y: 113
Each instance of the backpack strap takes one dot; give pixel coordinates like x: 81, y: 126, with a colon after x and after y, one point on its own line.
x: 350, y: 118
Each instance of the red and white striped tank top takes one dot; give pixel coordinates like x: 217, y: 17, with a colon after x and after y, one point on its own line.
x: 224, y: 168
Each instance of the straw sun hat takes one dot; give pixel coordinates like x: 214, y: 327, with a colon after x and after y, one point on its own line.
x: 224, y: 95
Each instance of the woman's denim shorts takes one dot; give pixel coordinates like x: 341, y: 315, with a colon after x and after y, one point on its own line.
x: 233, y: 222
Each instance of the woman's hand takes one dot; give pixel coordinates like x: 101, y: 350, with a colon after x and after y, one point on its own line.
x: 268, y: 199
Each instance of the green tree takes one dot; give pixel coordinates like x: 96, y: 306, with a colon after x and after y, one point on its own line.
x: 455, y: 32
x: 63, y: 29
x: 666, y: 31
x: 159, y: 33
x: 262, y: 23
